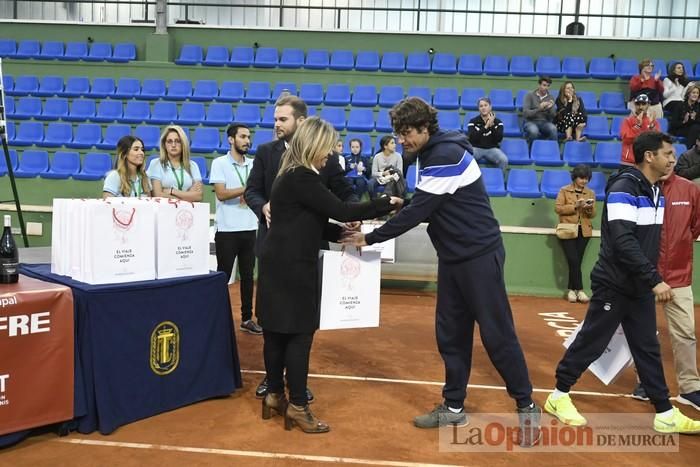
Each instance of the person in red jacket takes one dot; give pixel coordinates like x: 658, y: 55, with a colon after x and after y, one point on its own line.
x: 637, y: 123
x: 652, y: 86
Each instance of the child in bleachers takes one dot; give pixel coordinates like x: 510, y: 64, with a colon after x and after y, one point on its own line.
x: 357, y: 167
x: 387, y: 170
x: 571, y: 114
x: 339, y: 151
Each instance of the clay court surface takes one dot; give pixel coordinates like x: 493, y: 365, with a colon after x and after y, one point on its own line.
x: 369, y: 384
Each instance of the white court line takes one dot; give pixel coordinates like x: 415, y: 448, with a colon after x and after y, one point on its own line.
x: 260, y: 454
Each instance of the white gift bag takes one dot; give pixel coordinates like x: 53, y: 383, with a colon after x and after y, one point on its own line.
x: 614, y: 360
x: 182, y: 238
x: 387, y: 249
x: 350, y: 284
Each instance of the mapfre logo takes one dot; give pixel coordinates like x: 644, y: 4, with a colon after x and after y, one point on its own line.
x: 21, y: 325
x: 8, y: 301
x: 3, y: 387
x: 165, y: 348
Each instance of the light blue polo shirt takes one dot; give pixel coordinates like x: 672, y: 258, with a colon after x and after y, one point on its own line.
x: 112, y: 185
x: 231, y: 216
x: 167, y: 177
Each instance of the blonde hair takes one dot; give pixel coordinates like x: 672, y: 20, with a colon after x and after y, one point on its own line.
x: 184, y: 145
x: 123, y: 147
x: 313, y: 137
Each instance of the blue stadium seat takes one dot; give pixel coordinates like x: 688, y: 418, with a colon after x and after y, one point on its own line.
x: 680, y: 149
x: 241, y: 57
x: 179, y: 90
x: 366, y: 143
x: 14, y: 160
x: 360, y: 120
x: 75, y: 51
x: 9, y: 107
x: 470, y: 64
x: 101, y: 87
x: 190, y: 54
x: 28, y: 108
x: 335, y: 116
x: 342, y: 60
x: 11, y: 132
x: 317, y: 59
x: 418, y: 62
x: 50, y: 86
x: 113, y: 133
x: 8, y: 84
x: 470, y: 98
x: 449, y: 120
x: 95, y: 166
x: 616, y: 126
x: 8, y: 48
x: 268, y: 118
x: 337, y: 94
x: 367, y: 60
x: 446, y: 98
x: 55, y: 108
x: 164, y: 113
x: 390, y: 95
x: 663, y: 125
x: 383, y: 123
x: 590, y: 101
x: 79, y: 86
x: 517, y: 152
x: 511, y: 125
x: 545, y: 153
x: 522, y: 183
x: 191, y: 113
x: 660, y: 65
x: 423, y: 92
x: 281, y: 87
x: 311, y: 93
x: 51, y: 50
x: 258, y: 91
x: 152, y: 89
x: 248, y: 114
x: 217, y: 55
x: 260, y: 137
x: 123, y: 52
x: 25, y: 85
x: 81, y: 110
x: 150, y: 135
x: 411, y: 178
x: 578, y: 152
x: 219, y: 114
x: 138, y: 112
x: 127, y: 88
x: 496, y: 65
x: 205, y: 90
x: 28, y: 49
x: 266, y: 57
x: 697, y: 71
x: 291, y: 58
x: 625, y: 68
x: 574, y: 67
x: 493, y: 180
x: 57, y: 135
x: 608, y: 154
x: 502, y: 99
x: 32, y: 163
x: 203, y: 170
x: 393, y: 62
x: 521, y: 65
x: 597, y: 184
x: 99, y: 52
x: 364, y: 96
x: 231, y: 91
x: 553, y: 181
x: 87, y: 135
x: 602, y: 68
x: 109, y: 111
x: 205, y: 140
x: 548, y: 65
x: 28, y: 133
x: 613, y: 102
x: 444, y: 63
x: 598, y: 128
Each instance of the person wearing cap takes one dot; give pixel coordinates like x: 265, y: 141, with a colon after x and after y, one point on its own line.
x: 650, y: 85
x: 639, y: 121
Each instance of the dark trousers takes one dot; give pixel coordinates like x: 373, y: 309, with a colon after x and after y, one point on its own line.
x: 290, y: 352
x: 607, y: 310
x: 573, y: 250
x: 474, y: 291
x: 230, y: 245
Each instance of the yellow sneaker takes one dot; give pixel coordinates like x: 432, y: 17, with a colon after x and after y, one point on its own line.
x: 564, y: 410
x: 676, y: 423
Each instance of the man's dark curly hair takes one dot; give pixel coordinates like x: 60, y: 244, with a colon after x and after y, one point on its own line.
x: 413, y: 112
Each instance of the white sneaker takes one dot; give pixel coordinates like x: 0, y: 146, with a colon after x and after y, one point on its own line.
x: 582, y: 297
x: 571, y: 296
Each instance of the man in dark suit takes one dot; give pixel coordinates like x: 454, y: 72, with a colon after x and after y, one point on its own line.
x: 290, y: 111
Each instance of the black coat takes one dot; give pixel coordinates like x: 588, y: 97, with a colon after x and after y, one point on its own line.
x: 262, y: 175
x: 287, y: 299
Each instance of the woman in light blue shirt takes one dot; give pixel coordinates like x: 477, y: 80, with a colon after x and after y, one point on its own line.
x: 173, y: 174
x: 128, y: 179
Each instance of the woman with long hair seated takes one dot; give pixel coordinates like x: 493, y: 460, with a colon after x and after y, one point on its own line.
x: 173, y: 174
x: 571, y: 114
x: 128, y: 179
x: 287, y: 300
x: 675, y: 85
x: 685, y: 119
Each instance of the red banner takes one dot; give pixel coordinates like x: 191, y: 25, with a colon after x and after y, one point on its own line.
x: 36, y: 354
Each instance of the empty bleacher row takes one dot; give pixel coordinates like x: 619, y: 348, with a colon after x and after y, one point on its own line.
x: 71, y: 51
x: 418, y: 62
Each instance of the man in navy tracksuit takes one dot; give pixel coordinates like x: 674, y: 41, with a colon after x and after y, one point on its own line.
x: 450, y: 195
x: 625, y: 282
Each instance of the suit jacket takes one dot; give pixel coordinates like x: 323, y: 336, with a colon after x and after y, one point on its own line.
x: 287, y: 294
x: 262, y: 175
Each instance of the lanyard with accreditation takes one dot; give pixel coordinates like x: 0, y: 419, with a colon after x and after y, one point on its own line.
x: 243, y: 181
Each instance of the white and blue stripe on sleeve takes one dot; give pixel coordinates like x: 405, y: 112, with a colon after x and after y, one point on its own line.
x: 637, y: 209
x: 442, y: 179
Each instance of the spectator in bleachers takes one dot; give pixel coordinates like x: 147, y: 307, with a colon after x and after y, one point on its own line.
x: 637, y: 123
x: 688, y: 165
x: 128, y: 179
x: 485, y: 133
x: 387, y: 170
x: 571, y: 114
x: 650, y: 85
x: 357, y: 167
x: 338, y: 150
x: 685, y: 119
x: 539, y: 113
x: 173, y: 174
x: 675, y: 85
x: 575, y: 204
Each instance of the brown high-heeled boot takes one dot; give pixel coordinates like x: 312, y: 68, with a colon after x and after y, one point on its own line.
x: 276, y: 402
x: 304, y: 419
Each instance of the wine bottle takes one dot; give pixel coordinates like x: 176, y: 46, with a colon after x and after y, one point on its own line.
x: 9, y: 258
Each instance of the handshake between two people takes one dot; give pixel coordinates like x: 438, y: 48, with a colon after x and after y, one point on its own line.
x: 351, y: 234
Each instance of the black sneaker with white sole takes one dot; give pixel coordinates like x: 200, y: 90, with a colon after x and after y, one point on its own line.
x: 251, y: 327
x: 692, y: 399
x: 640, y: 393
